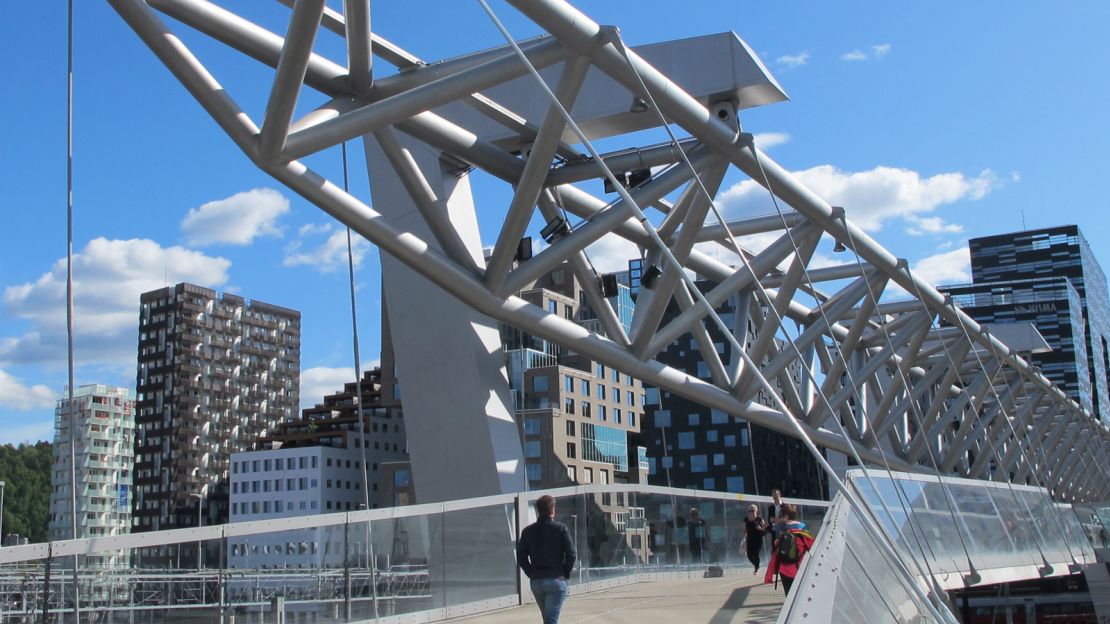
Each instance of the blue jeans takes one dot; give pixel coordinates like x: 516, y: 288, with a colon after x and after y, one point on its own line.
x: 550, y: 594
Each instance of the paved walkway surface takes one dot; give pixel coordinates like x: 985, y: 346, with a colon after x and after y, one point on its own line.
x: 732, y: 599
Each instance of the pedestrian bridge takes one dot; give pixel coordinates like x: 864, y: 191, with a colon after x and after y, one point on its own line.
x: 890, y: 533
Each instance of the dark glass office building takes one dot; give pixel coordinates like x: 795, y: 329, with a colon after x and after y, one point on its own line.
x: 692, y: 446
x: 1048, y: 277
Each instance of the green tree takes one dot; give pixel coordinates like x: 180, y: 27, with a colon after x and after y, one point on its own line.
x: 25, y: 470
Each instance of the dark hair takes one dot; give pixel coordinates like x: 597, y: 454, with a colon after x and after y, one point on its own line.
x: 694, y: 512
x: 545, y: 505
x: 790, y: 511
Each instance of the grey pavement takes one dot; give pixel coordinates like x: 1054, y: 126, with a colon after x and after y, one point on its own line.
x: 739, y: 598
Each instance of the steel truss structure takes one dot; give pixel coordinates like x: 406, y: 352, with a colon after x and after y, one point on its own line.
x: 911, y: 385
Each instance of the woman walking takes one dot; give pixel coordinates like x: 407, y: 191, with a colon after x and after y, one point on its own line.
x: 754, y: 528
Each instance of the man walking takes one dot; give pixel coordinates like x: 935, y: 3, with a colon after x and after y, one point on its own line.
x: 546, y: 553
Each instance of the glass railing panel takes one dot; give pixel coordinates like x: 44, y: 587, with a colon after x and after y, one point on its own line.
x: 478, y: 554
x: 403, y: 566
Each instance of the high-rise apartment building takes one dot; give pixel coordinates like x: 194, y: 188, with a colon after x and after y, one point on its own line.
x: 216, y: 373
x: 103, y: 441
x: 1048, y: 277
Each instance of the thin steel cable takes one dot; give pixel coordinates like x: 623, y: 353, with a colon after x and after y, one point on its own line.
x: 778, y: 317
x: 69, y: 305
x: 881, y: 537
x: 358, y: 401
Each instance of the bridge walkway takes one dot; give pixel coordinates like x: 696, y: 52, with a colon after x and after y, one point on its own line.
x: 736, y: 598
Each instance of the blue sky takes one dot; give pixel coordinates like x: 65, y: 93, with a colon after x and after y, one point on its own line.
x: 933, y: 122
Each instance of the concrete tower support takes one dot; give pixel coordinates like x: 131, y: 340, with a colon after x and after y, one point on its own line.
x: 448, y: 356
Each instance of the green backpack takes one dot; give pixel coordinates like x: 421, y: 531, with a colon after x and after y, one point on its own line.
x: 790, y: 548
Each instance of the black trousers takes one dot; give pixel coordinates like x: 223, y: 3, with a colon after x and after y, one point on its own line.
x: 754, y: 549
x: 786, y: 583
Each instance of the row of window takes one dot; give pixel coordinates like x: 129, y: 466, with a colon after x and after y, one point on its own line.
x: 539, y: 384
x: 275, y: 485
x: 587, y: 411
x: 281, y: 463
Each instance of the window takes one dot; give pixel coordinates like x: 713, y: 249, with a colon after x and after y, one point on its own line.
x: 711, y: 435
x: 315, y: 461
x: 532, y: 448
x: 586, y: 411
x: 572, y: 474
x: 568, y: 405
x: 568, y: 383
x: 693, y: 419
x: 553, y: 307
x: 616, y: 376
x: 617, y: 416
x: 570, y: 428
x: 279, y: 464
x: 301, y: 463
x: 587, y: 475
x: 539, y: 383
x: 631, y: 419
x: 631, y: 397
x: 266, y: 465
x: 735, y: 485
x: 601, y: 392
x: 718, y: 459
x: 571, y: 454
x: 698, y: 463
x: 686, y: 440
x: 601, y: 412
x: 730, y: 441
x: 703, y: 371
x: 533, y: 471
x: 709, y: 483
x: 603, y: 474
x: 744, y: 437
x: 585, y: 388
x: 532, y: 425
x: 302, y: 483
x: 254, y: 465
x: 717, y: 417
x: 663, y: 418
x: 600, y: 370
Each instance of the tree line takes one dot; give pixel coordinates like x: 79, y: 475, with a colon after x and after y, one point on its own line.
x: 25, y: 471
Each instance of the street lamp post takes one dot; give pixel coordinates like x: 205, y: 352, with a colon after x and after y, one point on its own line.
x: 2, y: 484
x: 200, y: 522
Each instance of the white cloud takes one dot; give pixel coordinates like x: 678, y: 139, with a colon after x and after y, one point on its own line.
x: 329, y: 255
x: 109, y: 276
x: 319, y: 382
x: 316, y: 383
x: 18, y: 396
x: 612, y: 253
x: 793, y: 60
x: 947, y: 267
x: 314, y: 228
x: 872, y: 197
x: 767, y: 140
x: 877, y: 51
x: 931, y: 225
x: 236, y: 220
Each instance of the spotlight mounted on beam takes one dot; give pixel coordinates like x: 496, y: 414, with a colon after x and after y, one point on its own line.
x: 556, y: 228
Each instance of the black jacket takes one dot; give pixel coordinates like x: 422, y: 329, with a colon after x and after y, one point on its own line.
x: 545, y: 550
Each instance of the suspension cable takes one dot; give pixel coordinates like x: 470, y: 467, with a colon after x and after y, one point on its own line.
x: 363, y: 431
x: 69, y: 306
x: 882, y: 537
